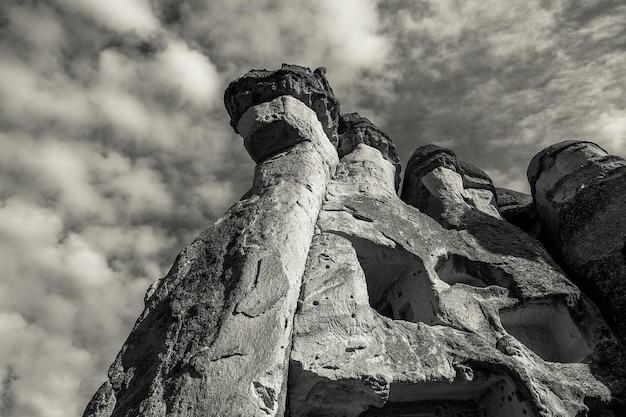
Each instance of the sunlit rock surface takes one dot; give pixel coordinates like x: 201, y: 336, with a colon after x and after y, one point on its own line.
x: 580, y: 193
x: 322, y: 293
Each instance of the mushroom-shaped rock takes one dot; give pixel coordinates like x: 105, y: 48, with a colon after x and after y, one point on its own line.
x: 214, y: 337
x: 310, y: 87
x: 355, y: 129
x: 580, y: 193
x: 440, y: 185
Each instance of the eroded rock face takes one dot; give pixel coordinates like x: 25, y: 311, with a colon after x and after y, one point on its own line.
x: 354, y: 129
x: 447, y: 189
x: 580, y: 193
x: 215, y: 336
x: 400, y: 316
x: 322, y: 293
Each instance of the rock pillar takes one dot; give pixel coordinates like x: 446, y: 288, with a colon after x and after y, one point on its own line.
x: 447, y: 189
x: 215, y: 336
x: 580, y: 194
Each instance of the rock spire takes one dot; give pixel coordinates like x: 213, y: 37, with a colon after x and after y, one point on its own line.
x: 323, y: 293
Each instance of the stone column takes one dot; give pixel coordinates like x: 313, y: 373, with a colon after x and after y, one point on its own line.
x: 580, y: 193
x: 215, y: 336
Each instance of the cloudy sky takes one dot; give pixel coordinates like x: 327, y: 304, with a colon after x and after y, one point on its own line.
x: 115, y: 148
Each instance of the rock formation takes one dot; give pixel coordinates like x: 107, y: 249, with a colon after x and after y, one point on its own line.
x: 580, y: 193
x: 323, y: 293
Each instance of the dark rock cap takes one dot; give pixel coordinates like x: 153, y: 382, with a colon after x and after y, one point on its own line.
x: 545, y: 158
x: 310, y: 87
x: 355, y: 129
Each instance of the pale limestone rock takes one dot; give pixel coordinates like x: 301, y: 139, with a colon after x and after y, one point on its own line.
x: 215, y: 336
x: 580, y: 193
x: 399, y: 315
x: 354, y: 129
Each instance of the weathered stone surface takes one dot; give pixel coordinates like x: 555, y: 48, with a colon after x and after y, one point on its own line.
x: 445, y: 188
x: 580, y: 193
x: 215, y: 336
x: 310, y: 87
x: 399, y: 316
x: 321, y: 293
x: 354, y: 129
x: 519, y: 209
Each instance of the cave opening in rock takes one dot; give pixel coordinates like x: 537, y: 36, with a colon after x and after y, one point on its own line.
x: 492, y: 397
x: 548, y: 330
x: 455, y: 269
x: 398, y: 284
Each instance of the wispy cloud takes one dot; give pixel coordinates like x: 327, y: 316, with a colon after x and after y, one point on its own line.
x: 498, y: 80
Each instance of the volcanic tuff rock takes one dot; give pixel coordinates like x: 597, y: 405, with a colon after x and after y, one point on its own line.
x: 580, y: 192
x: 322, y: 293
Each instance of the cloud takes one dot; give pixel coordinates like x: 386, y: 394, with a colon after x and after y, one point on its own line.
x: 483, y: 77
x: 343, y: 36
x: 41, y: 371
x: 118, y: 15
x: 54, y: 287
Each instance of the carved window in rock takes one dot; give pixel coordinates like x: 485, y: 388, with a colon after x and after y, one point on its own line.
x: 399, y: 288
x: 548, y: 330
x: 397, y: 282
x: 489, y: 396
x: 457, y: 269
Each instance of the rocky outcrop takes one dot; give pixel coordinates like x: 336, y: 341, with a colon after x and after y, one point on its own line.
x: 399, y: 315
x: 322, y: 293
x: 215, y: 337
x: 580, y: 193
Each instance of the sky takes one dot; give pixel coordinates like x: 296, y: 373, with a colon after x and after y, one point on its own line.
x: 116, y: 149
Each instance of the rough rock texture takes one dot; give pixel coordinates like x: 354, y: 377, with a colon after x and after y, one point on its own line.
x: 259, y: 86
x: 322, y: 293
x: 399, y: 316
x: 519, y: 209
x: 215, y: 336
x: 580, y: 193
x: 447, y: 189
x: 354, y: 129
